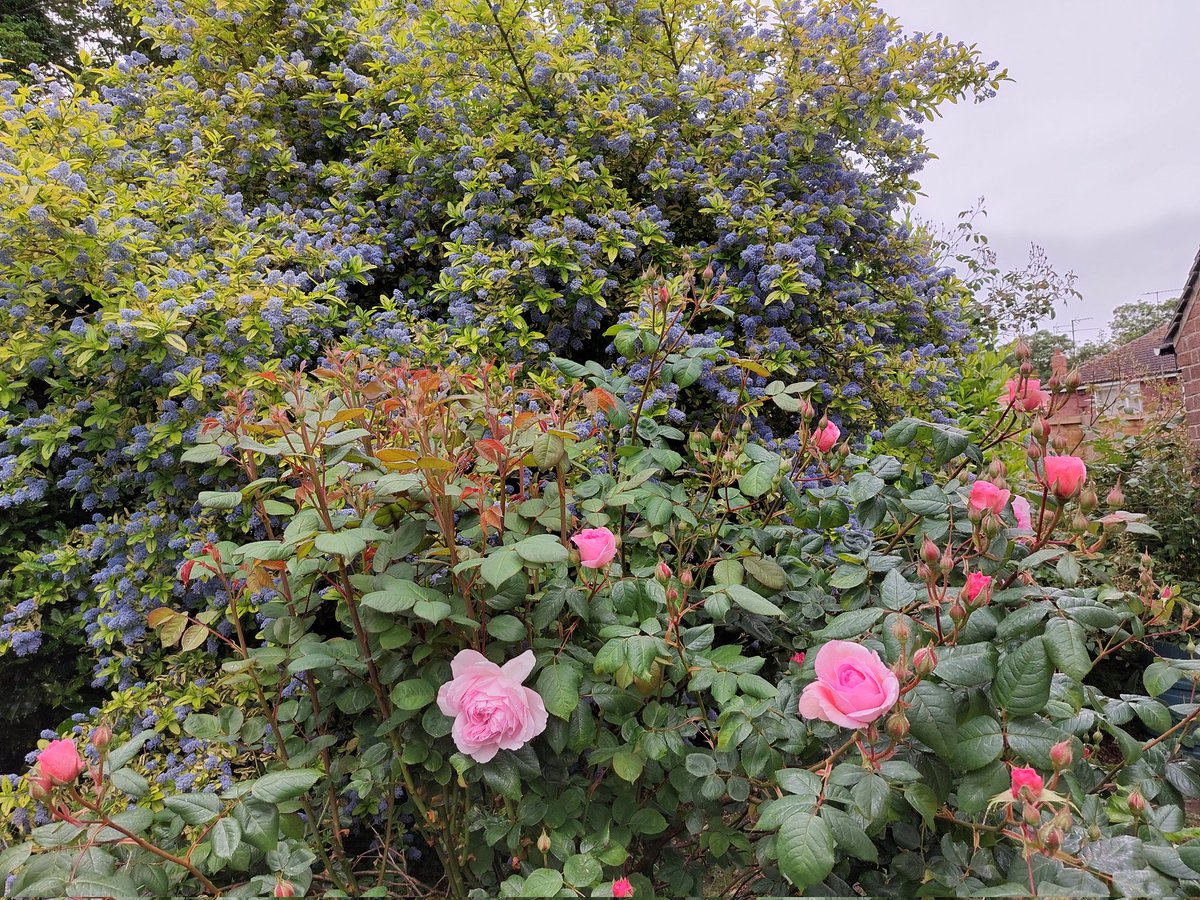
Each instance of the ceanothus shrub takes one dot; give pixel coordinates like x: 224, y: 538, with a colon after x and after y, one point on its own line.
x: 427, y: 179
x: 490, y: 644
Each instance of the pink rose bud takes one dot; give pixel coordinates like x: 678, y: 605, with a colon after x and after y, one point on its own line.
x: 978, y: 589
x: 1116, y: 497
x: 798, y: 658
x: 685, y: 578
x: 1023, y: 513
x: 958, y: 613
x: 60, y: 762
x: 1026, y: 784
x: 284, y: 888
x: 40, y: 785
x: 1088, y: 500
x: 1060, y: 754
x: 826, y: 436
x: 622, y: 888
x: 924, y: 661
x: 663, y: 572
x: 929, y: 552
x: 672, y: 594
x: 897, y: 726
x: 543, y: 842
x: 101, y: 736
x: 853, y: 686
x: 492, y: 710
x: 986, y: 497
x: 1065, y: 475
x: 597, y: 547
x: 1137, y: 803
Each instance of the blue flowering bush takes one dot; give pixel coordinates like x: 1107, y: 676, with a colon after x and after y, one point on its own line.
x: 278, y: 177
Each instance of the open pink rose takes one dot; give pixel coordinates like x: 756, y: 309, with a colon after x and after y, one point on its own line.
x: 853, y: 686
x: 1065, y: 475
x: 1023, y: 512
x: 597, y: 547
x: 1025, y: 778
x: 986, y: 497
x: 60, y: 762
x: 492, y: 710
x: 1027, y: 395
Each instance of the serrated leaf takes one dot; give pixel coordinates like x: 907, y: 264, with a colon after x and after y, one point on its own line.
x: 977, y: 743
x: 558, y: 686
x: 766, y: 572
x: 226, y: 837
x: 540, y: 549
x: 757, y: 480
x: 1066, y: 643
x: 851, y: 624
x: 277, y: 787
x: 804, y: 845
x: 1022, y: 683
x: 751, y: 601
x: 500, y: 565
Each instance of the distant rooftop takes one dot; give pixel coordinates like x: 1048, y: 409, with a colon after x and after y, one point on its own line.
x: 1137, y: 359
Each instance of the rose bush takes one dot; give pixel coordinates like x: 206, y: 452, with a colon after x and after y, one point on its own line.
x: 399, y: 519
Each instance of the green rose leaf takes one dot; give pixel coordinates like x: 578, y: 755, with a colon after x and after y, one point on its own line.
x: 804, y: 845
x: 1022, y: 683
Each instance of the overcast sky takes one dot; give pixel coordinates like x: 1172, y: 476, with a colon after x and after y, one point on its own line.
x: 1092, y: 151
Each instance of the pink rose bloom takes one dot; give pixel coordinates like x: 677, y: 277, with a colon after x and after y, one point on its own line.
x: 798, y: 658
x: 1065, y: 475
x: 826, y: 436
x: 853, y: 686
x: 1026, y: 778
x: 622, y: 888
x: 492, y: 710
x: 1028, y: 396
x: 597, y: 547
x: 985, y: 496
x: 1024, y: 513
x: 978, y: 586
x: 60, y: 762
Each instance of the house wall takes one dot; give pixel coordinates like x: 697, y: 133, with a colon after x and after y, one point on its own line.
x: 1079, y: 420
x: 1187, y: 353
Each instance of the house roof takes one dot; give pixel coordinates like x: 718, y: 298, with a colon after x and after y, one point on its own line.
x: 1185, y: 300
x: 1140, y: 358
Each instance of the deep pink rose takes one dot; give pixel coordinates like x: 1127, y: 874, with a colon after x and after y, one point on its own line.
x: 978, y: 589
x: 622, y: 888
x: 985, y: 496
x: 826, y: 436
x: 853, y: 686
x: 1026, y: 396
x: 60, y: 762
x: 1023, y: 512
x: 1026, y: 778
x: 492, y: 710
x: 1065, y: 475
x: 597, y: 547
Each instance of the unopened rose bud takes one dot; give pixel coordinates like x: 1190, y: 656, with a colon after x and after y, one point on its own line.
x: 1026, y: 368
x: 1094, y: 833
x: 672, y: 594
x: 1115, y: 498
x: 39, y: 787
x: 543, y: 843
x: 1080, y: 523
x: 958, y: 613
x: 1023, y: 351
x: 685, y: 578
x: 1039, y: 429
x: 924, y: 661
x: 707, y: 274
x: 930, y: 552
x: 1033, y: 451
x: 897, y: 726
x: 900, y: 629
x: 947, y: 563
x: 1060, y: 754
x: 284, y: 888
x: 924, y: 573
x: 101, y: 736
x: 662, y: 572
x: 1060, y: 442
x: 1073, y: 380
x: 1137, y: 803
x: 806, y: 409
x: 718, y: 435
x: 1032, y: 814
x: 1088, y: 501
x: 1054, y: 839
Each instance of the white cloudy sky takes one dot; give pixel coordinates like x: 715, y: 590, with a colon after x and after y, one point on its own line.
x: 1092, y: 151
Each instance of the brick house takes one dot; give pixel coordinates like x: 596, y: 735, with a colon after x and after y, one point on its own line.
x: 1183, y: 340
x: 1120, y: 390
